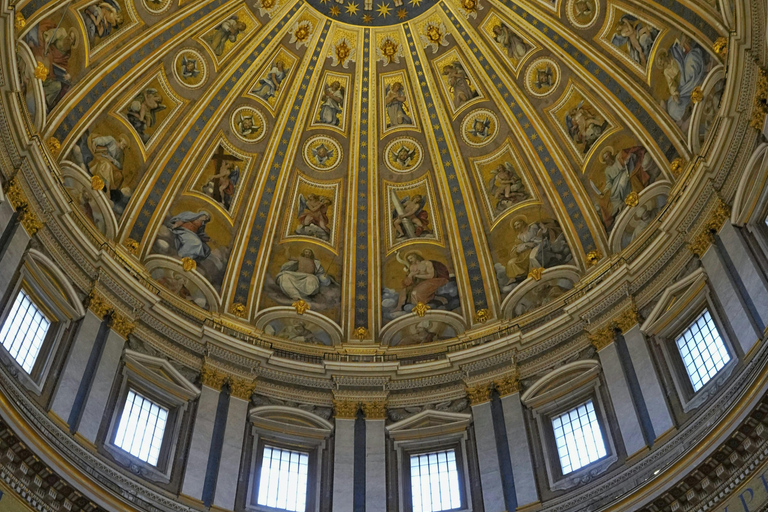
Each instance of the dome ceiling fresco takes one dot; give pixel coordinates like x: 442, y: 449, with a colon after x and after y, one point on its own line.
x: 395, y: 171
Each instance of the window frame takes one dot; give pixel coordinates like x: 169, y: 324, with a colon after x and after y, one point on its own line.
x: 59, y: 322
x: 565, y: 389
x: 139, y: 375
x: 405, y: 471
x: 666, y: 339
x: 289, y: 429
x: 601, y: 427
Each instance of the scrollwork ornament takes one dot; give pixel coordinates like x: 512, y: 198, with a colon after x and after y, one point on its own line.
x: 188, y: 264
x: 479, y: 394
x: 242, y: 388
x: 344, y: 409
x: 375, y: 410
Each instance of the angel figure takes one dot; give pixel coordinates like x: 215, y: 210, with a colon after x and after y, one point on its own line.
x: 322, y: 154
x: 481, y: 128
x: 142, y: 111
x: 458, y: 83
x: 227, y: 32
x: 332, y: 104
x: 246, y: 126
x: 268, y: 86
x: 395, y: 105
x: 313, y: 216
x: 108, y: 157
x: 409, y: 217
x: 635, y: 38
x: 507, y: 187
x: 584, y: 125
x: 228, y: 176
x: 189, y: 70
x: 403, y: 156
x: 101, y: 18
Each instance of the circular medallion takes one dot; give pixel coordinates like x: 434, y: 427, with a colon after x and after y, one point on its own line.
x: 582, y: 13
x: 322, y: 153
x: 248, y: 124
x: 157, y: 6
x: 479, y: 127
x: 189, y: 68
x: 542, y: 77
x: 403, y: 154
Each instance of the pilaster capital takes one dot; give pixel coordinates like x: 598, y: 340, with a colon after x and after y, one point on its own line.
x: 212, y: 377
x: 375, y: 410
x: 242, y: 388
x: 479, y: 393
x: 121, y: 324
x: 508, y: 384
x: 601, y: 338
x: 98, y: 304
x: 345, y: 409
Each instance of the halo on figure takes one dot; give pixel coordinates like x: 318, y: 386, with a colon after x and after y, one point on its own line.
x: 606, y: 149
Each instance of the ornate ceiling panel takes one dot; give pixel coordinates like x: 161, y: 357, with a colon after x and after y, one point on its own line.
x: 389, y: 171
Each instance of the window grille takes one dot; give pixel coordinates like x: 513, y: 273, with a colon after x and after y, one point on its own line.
x: 141, y: 428
x: 578, y: 437
x: 703, y: 351
x: 24, y: 331
x: 283, y: 480
x: 435, y: 482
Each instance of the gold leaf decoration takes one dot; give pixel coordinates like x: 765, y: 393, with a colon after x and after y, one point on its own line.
x: 507, y: 385
x: 479, y: 393
x: 237, y: 309
x: 535, y: 273
x: 602, y: 338
x: 29, y: 220
x: 344, y: 409
x: 212, y: 377
x: 720, y: 46
x: 632, y: 199
x: 593, y: 257
x: 760, y: 104
x: 361, y: 333
x: 54, y: 146
x: 375, y: 410
x: 19, y: 22
x: 41, y: 72
x: 132, y: 246
x: 97, y: 183
x: 421, y: 309
x: 242, y: 388
x: 676, y: 166
x: 188, y: 264
x: 98, y: 304
x: 301, y: 306
x: 697, y: 94
x: 122, y: 325
x: 482, y: 315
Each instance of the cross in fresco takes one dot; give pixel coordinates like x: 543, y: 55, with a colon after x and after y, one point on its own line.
x: 219, y: 157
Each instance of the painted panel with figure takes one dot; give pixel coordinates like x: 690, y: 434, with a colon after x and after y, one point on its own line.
x: 411, y: 208
x: 418, y: 274
x: 304, y: 271
x: 220, y: 179
x: 313, y: 212
x: 331, y: 109
x: 105, y: 20
x: 532, y: 239
x: 397, y: 107
x: 300, y: 330
x: 274, y: 79
x: 231, y: 33
x: 458, y: 85
x: 632, y: 37
x: 508, y: 41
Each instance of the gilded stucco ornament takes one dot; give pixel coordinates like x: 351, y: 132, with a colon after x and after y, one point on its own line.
x: 212, y: 377
x: 41, y: 72
x: 622, y: 322
x: 760, y: 105
x: 97, y: 183
x: 593, y: 257
x: 375, y: 410
x: 132, y: 246
x: 632, y: 199
x: 676, y: 166
x: 13, y: 191
x: 601, y: 338
x: 535, y: 273
x: 361, y: 333
x: 301, y: 306
x: 29, y: 220
x: 720, y: 46
x: 19, y: 22
x: 479, y: 393
x: 482, y: 315
x: 242, y: 388
x: 421, y: 309
x: 238, y: 309
x: 345, y: 409
x: 188, y: 264
x: 697, y: 94
x: 54, y: 146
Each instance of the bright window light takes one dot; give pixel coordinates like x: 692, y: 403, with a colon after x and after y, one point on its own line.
x: 141, y: 428
x: 435, y: 482
x: 703, y: 351
x: 283, y: 481
x: 578, y: 437
x: 24, y: 331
